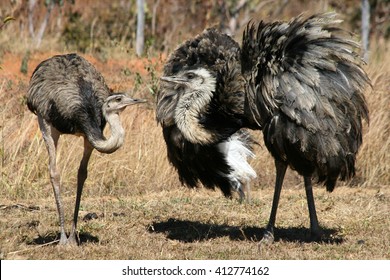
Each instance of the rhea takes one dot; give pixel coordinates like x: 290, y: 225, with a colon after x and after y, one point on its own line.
x: 69, y: 96
x: 301, y: 82
x: 224, y: 164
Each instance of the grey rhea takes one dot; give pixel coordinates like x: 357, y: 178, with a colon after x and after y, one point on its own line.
x: 301, y: 82
x: 69, y: 96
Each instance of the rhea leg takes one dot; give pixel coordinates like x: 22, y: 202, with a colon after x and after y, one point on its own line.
x: 81, y: 177
x: 244, y: 192
x: 315, y: 229
x: 248, y: 190
x: 281, y: 167
x: 50, y: 136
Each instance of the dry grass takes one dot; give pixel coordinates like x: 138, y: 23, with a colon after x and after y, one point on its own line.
x: 142, y: 211
x: 186, y: 224
x: 374, y: 157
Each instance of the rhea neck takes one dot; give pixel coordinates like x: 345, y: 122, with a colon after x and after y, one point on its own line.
x: 193, y: 105
x: 116, y: 138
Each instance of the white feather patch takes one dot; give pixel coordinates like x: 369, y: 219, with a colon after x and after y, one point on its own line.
x: 237, y: 155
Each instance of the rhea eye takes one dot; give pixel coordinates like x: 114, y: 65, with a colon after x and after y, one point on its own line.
x: 190, y: 76
x: 119, y: 99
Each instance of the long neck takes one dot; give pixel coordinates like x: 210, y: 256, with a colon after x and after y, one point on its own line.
x: 115, y: 141
x: 188, y: 112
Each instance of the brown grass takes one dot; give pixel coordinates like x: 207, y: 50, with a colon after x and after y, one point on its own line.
x: 142, y: 211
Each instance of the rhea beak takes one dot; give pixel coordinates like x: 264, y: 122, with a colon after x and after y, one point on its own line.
x: 173, y: 79
x: 126, y: 101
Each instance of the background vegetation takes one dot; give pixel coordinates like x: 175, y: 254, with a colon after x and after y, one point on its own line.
x: 133, y: 206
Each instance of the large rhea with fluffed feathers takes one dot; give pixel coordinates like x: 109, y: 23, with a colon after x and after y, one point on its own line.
x: 300, y: 82
x: 69, y: 96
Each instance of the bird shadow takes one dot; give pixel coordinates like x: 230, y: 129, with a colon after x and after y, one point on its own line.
x: 52, y: 237
x: 190, y: 231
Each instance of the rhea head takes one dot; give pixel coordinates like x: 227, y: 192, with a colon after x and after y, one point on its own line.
x: 192, y: 79
x: 185, y: 99
x: 117, y: 102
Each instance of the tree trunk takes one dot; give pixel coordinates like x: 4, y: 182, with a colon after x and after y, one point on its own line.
x: 139, y: 45
x: 42, y: 29
x: 365, y: 28
x: 154, y: 16
x: 31, y: 6
x: 37, y: 36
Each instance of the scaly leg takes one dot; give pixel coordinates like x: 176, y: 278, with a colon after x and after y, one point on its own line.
x: 281, y: 167
x: 81, y: 177
x: 243, y: 190
x: 315, y: 229
x: 50, y: 136
x: 248, y: 191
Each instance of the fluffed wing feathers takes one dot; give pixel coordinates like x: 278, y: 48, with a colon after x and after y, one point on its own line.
x: 305, y: 86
